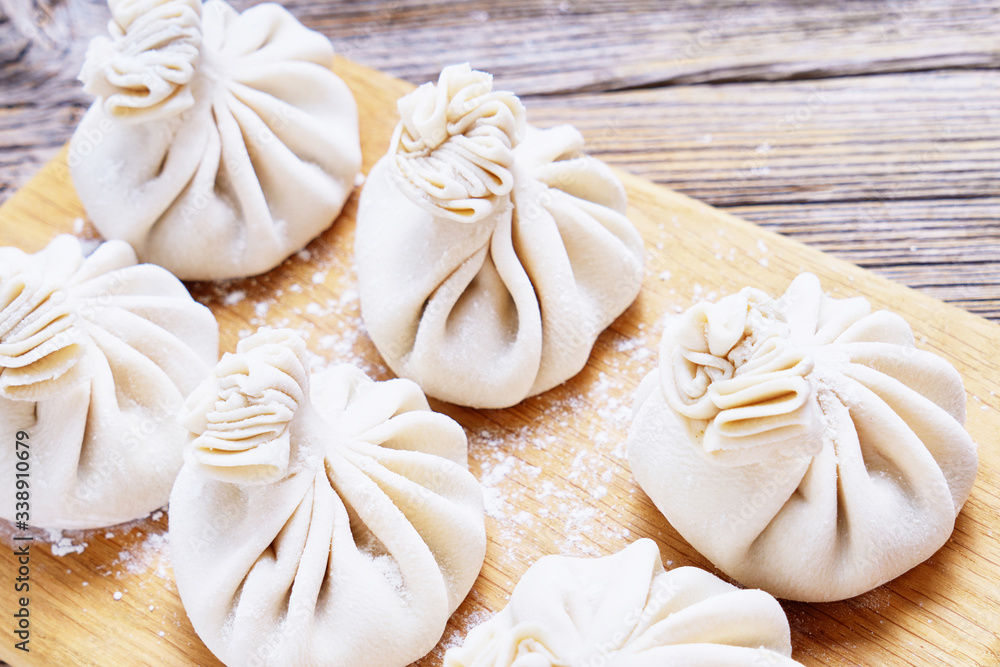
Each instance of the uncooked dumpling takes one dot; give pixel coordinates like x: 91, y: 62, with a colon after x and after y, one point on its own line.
x: 625, y: 610
x: 96, y: 356
x: 803, y: 444
x: 490, y: 254
x: 219, y: 143
x: 323, y: 521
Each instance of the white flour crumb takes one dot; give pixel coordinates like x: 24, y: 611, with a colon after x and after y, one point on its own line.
x: 62, y: 545
x: 234, y: 297
x: 319, y: 277
x: 628, y: 344
x: 117, y: 595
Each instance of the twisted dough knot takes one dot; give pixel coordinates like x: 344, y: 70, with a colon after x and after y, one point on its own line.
x: 242, y: 414
x: 144, y: 70
x: 453, y: 147
x: 40, y: 335
x: 733, y: 371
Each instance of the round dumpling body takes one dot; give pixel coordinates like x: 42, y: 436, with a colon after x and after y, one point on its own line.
x: 96, y: 356
x: 803, y: 444
x: 219, y: 143
x: 490, y: 253
x: 624, y: 610
x: 324, y: 520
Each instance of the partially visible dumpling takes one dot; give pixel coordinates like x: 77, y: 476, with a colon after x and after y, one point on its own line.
x: 329, y: 520
x: 219, y: 143
x: 490, y: 254
x: 625, y: 610
x: 803, y: 444
x: 96, y: 356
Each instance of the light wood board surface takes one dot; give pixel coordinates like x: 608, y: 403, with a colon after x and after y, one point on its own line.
x: 553, y: 468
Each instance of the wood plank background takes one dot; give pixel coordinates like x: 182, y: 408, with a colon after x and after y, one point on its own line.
x: 868, y: 128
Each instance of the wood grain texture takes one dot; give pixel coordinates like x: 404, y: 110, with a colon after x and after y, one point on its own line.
x: 897, y: 173
x: 553, y: 467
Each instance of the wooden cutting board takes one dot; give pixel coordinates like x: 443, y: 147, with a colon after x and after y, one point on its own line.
x: 553, y: 468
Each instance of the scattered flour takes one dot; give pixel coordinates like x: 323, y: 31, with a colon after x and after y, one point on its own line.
x: 582, y: 513
x: 389, y: 569
x: 152, y: 553
x: 62, y: 545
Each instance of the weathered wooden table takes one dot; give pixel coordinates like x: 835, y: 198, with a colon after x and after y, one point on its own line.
x: 870, y: 130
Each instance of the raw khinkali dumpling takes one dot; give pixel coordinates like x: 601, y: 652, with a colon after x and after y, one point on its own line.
x: 803, y: 444
x: 625, y: 610
x: 490, y: 254
x: 219, y: 143
x: 96, y: 356
x: 323, y: 521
